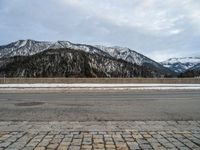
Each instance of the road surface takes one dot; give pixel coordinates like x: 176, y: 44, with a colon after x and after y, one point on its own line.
x: 101, y: 106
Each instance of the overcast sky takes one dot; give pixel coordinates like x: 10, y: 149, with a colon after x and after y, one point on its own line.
x: 159, y: 29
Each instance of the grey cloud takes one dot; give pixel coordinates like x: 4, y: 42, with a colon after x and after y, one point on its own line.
x: 157, y: 29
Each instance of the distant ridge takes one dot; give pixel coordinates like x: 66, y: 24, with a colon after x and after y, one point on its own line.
x: 182, y: 64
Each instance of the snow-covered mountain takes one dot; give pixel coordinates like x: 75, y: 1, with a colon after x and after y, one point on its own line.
x: 127, y: 55
x: 31, y: 47
x: 133, y: 57
x: 192, y: 72
x: 180, y: 65
x: 196, y: 67
x: 67, y: 62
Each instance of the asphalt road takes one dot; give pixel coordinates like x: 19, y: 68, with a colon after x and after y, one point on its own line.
x: 101, y: 106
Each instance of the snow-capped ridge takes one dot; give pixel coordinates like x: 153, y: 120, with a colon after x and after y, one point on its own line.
x: 196, y: 67
x: 127, y: 54
x: 182, y: 64
x: 31, y: 47
x: 183, y: 60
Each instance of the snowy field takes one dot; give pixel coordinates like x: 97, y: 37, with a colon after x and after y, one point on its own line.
x: 102, y: 86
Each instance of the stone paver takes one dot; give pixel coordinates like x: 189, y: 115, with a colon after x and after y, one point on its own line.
x: 128, y: 135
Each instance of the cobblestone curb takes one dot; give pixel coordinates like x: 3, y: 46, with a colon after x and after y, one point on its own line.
x: 121, y: 135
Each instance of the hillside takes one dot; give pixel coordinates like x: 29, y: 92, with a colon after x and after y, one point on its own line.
x: 71, y: 63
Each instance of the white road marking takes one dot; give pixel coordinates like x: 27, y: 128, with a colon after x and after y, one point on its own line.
x: 101, y: 86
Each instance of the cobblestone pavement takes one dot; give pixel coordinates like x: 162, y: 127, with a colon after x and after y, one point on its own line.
x: 100, y: 135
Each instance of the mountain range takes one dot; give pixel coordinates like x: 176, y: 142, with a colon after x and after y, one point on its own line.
x: 64, y: 62
x: 31, y: 47
x: 30, y: 58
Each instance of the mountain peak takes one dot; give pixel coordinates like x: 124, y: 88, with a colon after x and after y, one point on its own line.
x: 182, y: 60
x: 181, y: 64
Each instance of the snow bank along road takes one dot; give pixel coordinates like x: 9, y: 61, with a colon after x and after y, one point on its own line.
x: 100, y: 86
